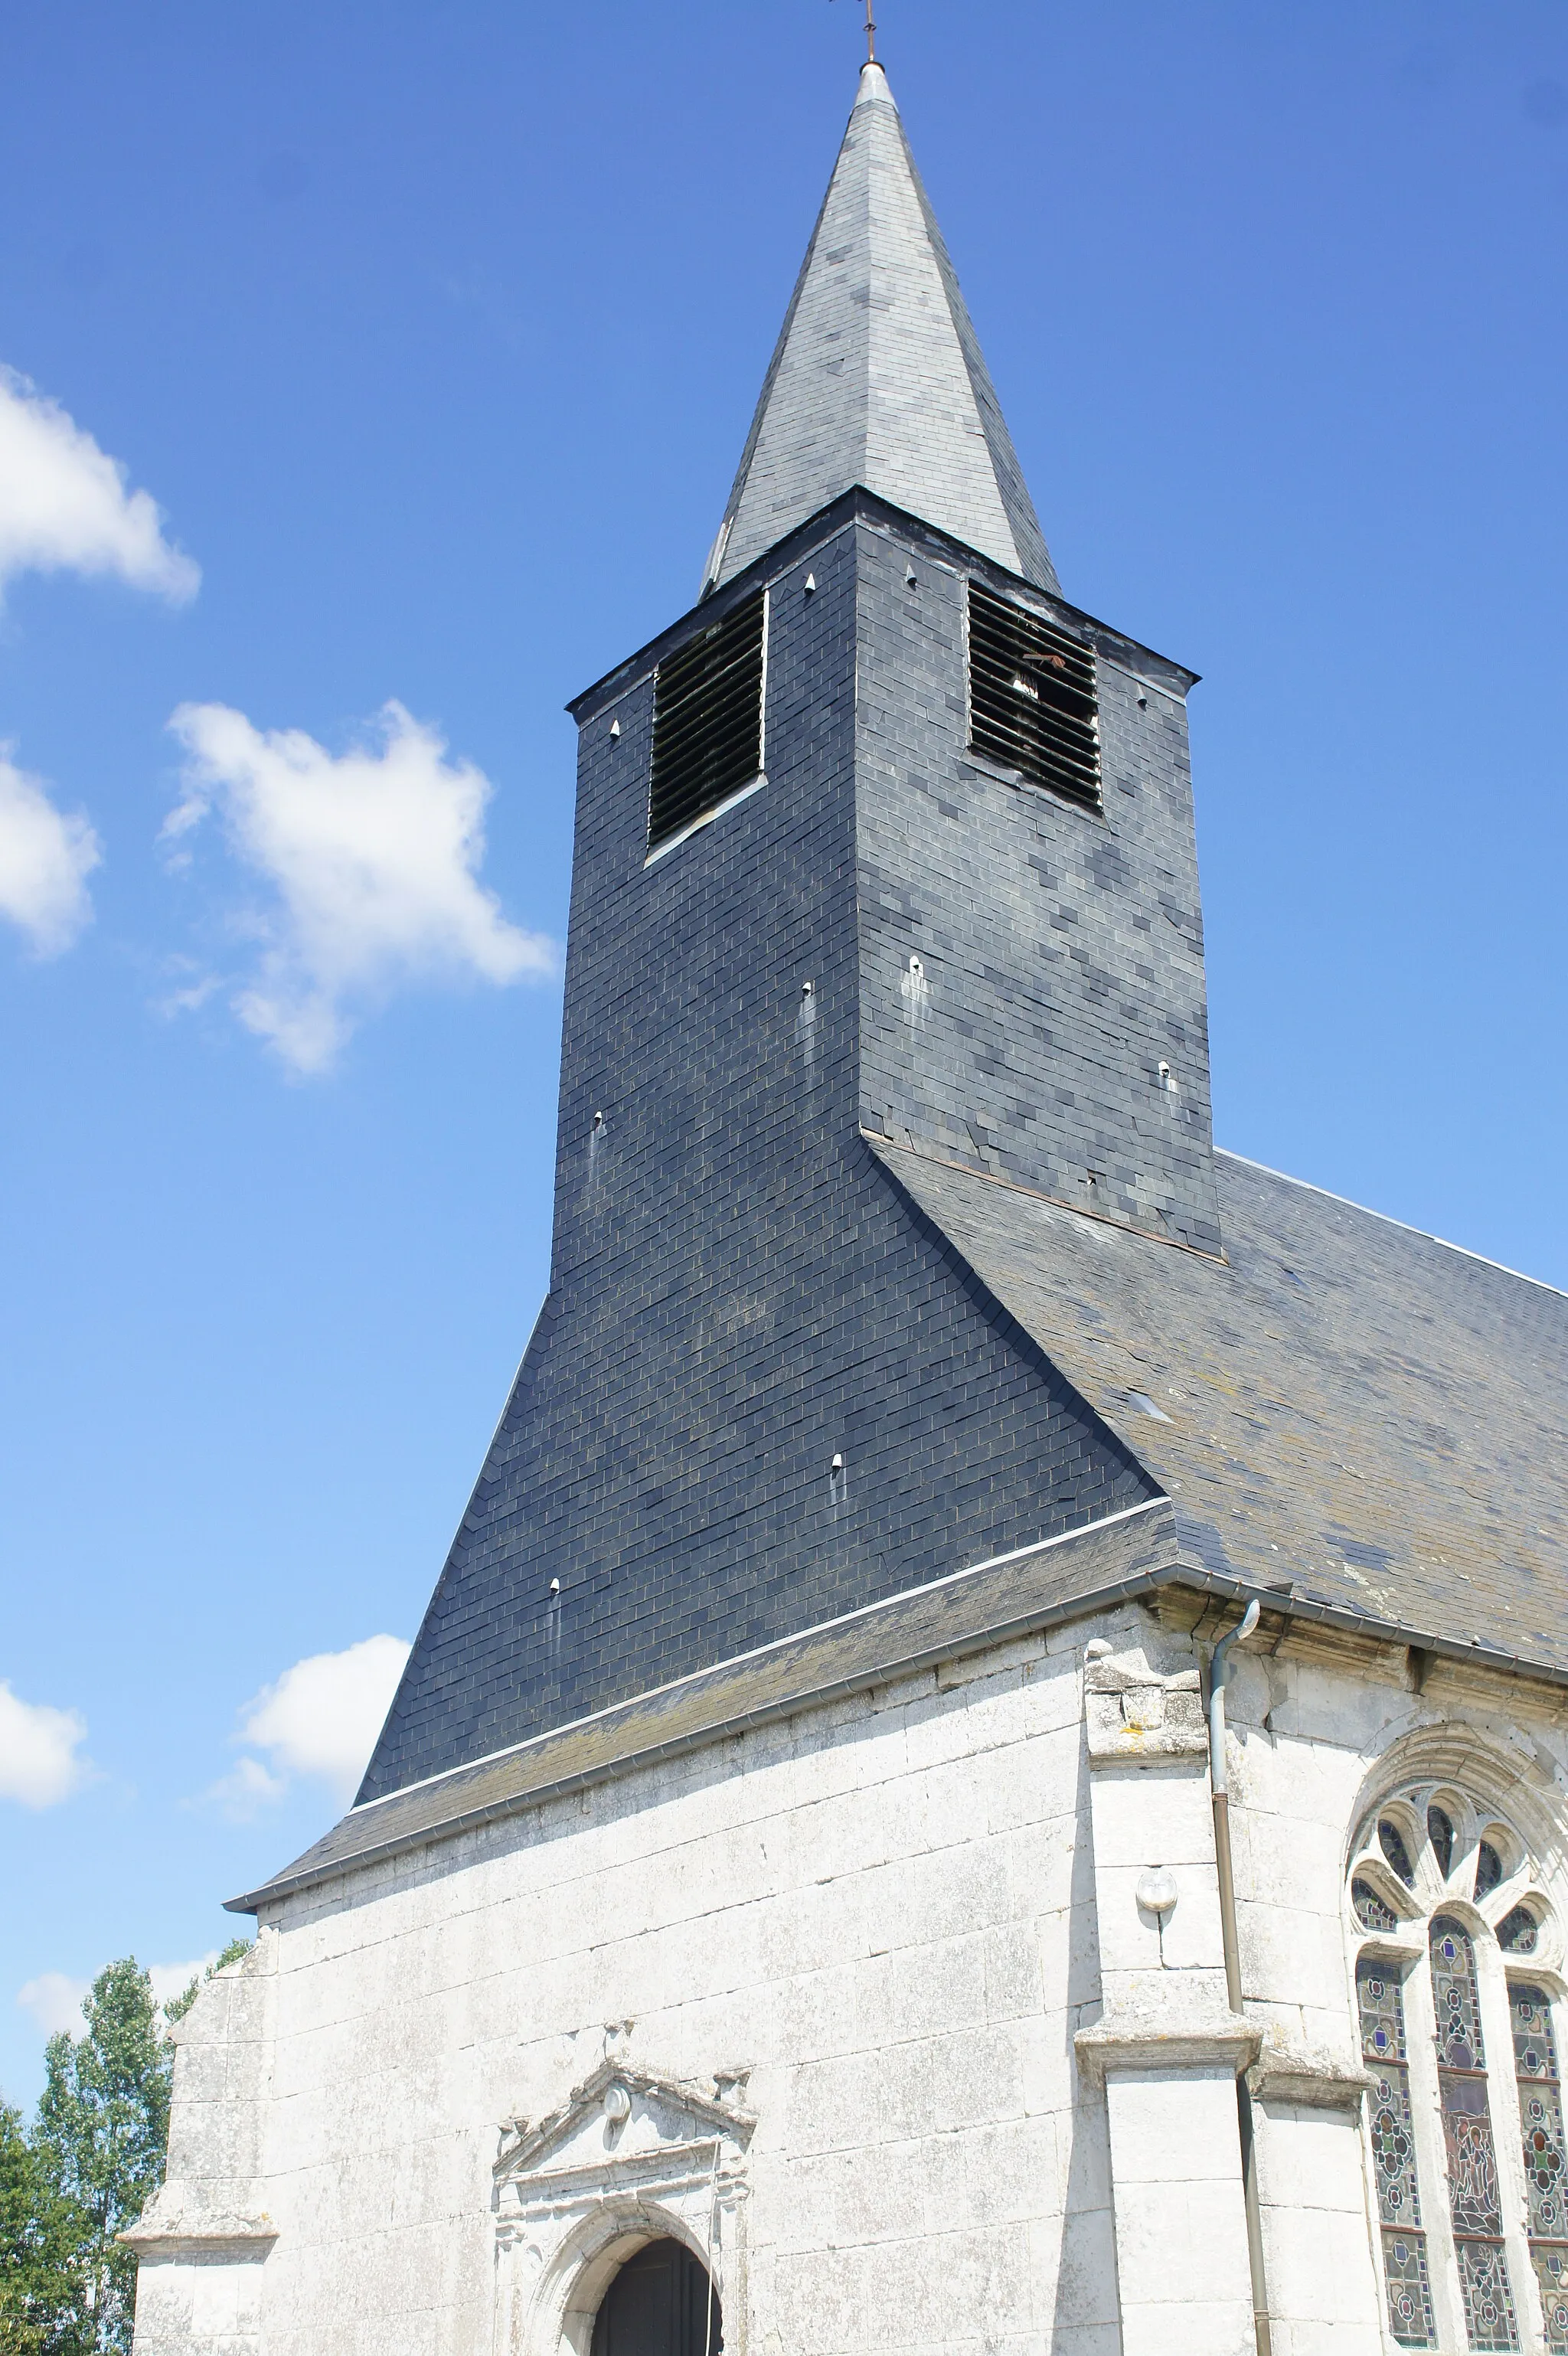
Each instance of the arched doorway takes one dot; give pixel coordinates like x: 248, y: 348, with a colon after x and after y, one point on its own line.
x: 661, y: 2303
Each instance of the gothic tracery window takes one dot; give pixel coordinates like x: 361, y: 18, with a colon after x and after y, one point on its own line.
x: 1457, y: 1979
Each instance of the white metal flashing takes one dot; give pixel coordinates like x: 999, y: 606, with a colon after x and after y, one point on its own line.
x: 760, y: 1652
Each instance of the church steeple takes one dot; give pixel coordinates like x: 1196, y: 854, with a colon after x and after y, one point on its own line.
x: 884, y: 881
x: 878, y: 378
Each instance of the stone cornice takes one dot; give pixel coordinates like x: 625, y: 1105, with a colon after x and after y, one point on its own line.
x: 1316, y: 2077
x: 168, y: 2229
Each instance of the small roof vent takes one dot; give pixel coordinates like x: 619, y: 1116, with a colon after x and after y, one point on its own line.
x: 1032, y: 701
x: 707, y: 720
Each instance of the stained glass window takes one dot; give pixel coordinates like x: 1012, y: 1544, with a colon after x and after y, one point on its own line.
x: 1517, y: 1932
x: 1551, y: 2274
x: 1409, y: 2289
x: 1371, y: 1912
x: 1459, y: 2044
x: 1391, y: 1840
x: 1541, y: 2123
x: 1476, y: 2257
x: 1474, y: 2195
x: 1488, y: 2301
x: 1382, y: 2006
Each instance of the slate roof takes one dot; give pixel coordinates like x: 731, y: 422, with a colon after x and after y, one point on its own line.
x: 947, y: 1618
x: 878, y: 378
x: 1367, y: 1424
x: 1376, y: 1418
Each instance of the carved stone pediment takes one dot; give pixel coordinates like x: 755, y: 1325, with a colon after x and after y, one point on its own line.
x: 621, y: 2124
x: 630, y: 2156
x: 1133, y: 1711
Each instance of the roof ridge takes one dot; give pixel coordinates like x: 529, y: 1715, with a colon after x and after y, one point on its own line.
x: 1405, y: 1227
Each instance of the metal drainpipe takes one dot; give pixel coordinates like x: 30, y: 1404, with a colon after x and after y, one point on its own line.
x: 1218, y: 1673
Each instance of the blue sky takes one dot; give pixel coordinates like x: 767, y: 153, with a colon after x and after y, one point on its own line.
x: 434, y: 332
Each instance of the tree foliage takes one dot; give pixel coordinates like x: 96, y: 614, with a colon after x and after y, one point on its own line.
x: 102, y: 2131
x: 93, y: 2159
x: 37, y: 2238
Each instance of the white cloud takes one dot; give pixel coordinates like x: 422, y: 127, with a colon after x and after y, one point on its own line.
x: 64, y: 504
x: 170, y: 1980
x: 46, y: 856
x: 321, y: 1717
x: 39, y: 1764
x: 54, y: 1999
x: 246, y: 1790
x: 373, y: 857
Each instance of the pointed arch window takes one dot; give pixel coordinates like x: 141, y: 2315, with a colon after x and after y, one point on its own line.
x: 1456, y: 1982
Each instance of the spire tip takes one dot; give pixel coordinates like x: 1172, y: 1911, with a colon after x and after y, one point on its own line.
x: 870, y: 36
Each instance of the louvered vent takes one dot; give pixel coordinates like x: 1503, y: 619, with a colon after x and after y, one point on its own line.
x: 1032, y: 705
x: 707, y: 720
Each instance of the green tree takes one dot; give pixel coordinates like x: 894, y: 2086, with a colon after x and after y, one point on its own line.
x: 42, y: 2247
x: 100, y: 2139
x: 94, y: 2157
x: 20, y: 2326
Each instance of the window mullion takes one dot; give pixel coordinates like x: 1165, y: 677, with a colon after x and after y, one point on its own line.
x: 1502, y: 2088
x: 1476, y: 2184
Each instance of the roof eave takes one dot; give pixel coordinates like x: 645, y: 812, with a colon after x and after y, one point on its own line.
x: 1180, y: 1571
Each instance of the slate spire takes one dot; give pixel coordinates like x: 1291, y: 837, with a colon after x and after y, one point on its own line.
x: 878, y: 378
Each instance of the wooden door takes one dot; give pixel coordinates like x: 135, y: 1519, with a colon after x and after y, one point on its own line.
x: 660, y: 2303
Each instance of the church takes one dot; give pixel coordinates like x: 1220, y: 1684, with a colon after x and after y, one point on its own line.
x: 989, y: 1766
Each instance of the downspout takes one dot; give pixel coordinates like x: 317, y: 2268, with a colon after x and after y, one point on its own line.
x: 1218, y: 1673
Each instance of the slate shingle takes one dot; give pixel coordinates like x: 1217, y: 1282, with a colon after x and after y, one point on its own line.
x: 737, y: 1294
x: 1356, y: 1410
x: 878, y: 377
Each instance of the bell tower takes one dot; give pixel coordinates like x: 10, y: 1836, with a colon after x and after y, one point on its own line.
x: 884, y: 854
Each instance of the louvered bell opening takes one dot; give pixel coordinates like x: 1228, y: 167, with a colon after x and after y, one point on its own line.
x: 1032, y: 705
x: 707, y: 720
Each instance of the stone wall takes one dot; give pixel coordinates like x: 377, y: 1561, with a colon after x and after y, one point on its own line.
x: 868, y: 1930
x: 905, y: 2049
